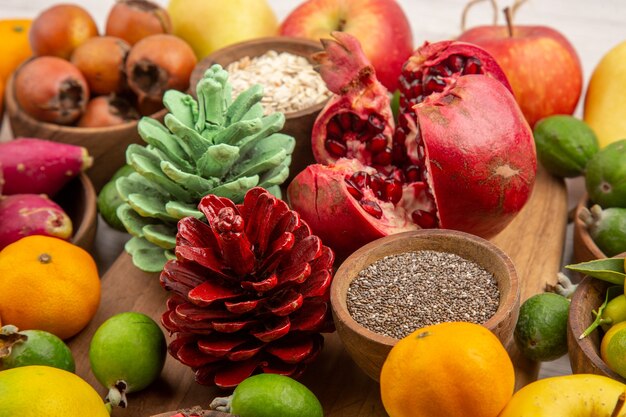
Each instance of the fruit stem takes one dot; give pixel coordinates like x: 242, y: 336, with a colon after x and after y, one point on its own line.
x: 508, y: 15
x: 618, y: 406
x: 221, y: 404
x: 471, y: 3
x: 45, y: 258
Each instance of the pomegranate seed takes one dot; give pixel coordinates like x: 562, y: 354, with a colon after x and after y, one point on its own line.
x: 361, y: 179
x: 345, y: 120
x: 376, y: 122
x: 440, y: 70
x: 420, y: 152
x: 405, y: 85
x: 358, y: 124
x: 377, y: 143
x: 408, y: 76
x: 434, y: 84
x: 473, y: 66
x: 412, y: 173
x: 333, y: 130
x: 377, y: 185
x: 416, y: 88
x: 364, y: 136
x: 456, y: 63
x: 353, y: 190
x: 382, y: 158
x: 337, y: 149
x: 372, y: 208
x: 424, y: 219
x: 393, y: 190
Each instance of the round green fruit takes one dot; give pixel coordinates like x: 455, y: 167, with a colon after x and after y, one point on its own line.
x: 541, y: 329
x: 270, y: 395
x: 33, y: 347
x: 607, y: 228
x: 109, y: 199
x: 127, y: 353
x: 605, y: 178
x: 564, y: 145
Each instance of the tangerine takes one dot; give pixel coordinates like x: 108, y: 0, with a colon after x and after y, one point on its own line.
x: 452, y: 369
x: 48, y: 284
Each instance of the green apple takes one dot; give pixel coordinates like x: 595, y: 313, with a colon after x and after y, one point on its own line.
x: 211, y: 25
x: 605, y: 102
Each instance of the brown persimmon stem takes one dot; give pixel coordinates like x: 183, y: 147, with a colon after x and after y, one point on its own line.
x: 619, y: 405
x: 471, y: 3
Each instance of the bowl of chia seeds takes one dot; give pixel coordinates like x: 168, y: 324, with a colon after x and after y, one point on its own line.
x: 397, y: 284
x: 283, y: 66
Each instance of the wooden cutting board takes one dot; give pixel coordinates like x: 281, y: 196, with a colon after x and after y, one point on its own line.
x: 534, y: 241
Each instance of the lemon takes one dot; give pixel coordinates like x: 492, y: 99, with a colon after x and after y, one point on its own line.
x: 541, y: 329
x: 33, y: 391
x: 613, y: 348
x: 33, y: 347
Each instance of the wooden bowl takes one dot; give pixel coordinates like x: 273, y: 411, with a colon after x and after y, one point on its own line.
x: 107, y: 145
x: 78, y: 200
x: 585, y: 248
x: 297, y: 124
x: 584, y: 354
x: 369, y: 349
x: 206, y: 413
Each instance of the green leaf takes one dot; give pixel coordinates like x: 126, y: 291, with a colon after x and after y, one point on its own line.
x: 259, y: 164
x: 136, y: 184
x: 180, y: 210
x: 211, y: 100
x: 132, y: 221
x: 162, y: 235
x: 157, y: 135
x: 244, y: 103
x: 271, y: 124
x: 150, y: 206
x: 195, y: 184
x: 256, y: 112
x: 235, y: 190
x: 146, y: 256
x: 183, y: 106
x: 609, y: 269
x: 149, y: 167
x: 218, y: 160
x: 611, y: 293
x: 193, y: 142
x: 237, y: 131
x: 276, y: 176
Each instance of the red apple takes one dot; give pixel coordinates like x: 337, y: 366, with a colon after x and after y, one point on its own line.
x: 540, y: 63
x: 380, y: 25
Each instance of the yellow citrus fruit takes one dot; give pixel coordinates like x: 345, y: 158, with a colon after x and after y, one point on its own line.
x: 48, y: 284
x: 613, y: 348
x: 15, y: 46
x: 47, y: 391
x: 454, y: 369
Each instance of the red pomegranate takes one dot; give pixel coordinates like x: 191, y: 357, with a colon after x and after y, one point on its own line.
x: 464, y: 156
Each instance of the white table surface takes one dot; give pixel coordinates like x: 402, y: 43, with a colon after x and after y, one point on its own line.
x: 593, y: 27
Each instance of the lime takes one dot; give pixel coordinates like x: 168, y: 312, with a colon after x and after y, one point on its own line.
x: 613, y: 348
x: 541, y: 329
x: 270, y: 395
x: 564, y: 144
x: 109, y: 199
x: 605, y: 179
x: 614, y: 312
x: 33, y: 347
x: 46, y: 391
x: 127, y: 353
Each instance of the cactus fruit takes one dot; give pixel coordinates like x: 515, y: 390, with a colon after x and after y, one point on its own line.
x: 212, y: 145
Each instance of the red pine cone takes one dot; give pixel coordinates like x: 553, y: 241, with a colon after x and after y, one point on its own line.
x: 250, y: 290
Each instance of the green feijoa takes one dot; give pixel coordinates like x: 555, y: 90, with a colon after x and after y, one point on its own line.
x: 607, y: 229
x: 33, y: 347
x: 564, y: 144
x: 270, y: 395
x: 541, y: 329
x: 109, y: 199
x: 127, y: 353
x: 605, y: 179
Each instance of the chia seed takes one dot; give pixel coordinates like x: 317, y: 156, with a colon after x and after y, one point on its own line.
x: 400, y: 293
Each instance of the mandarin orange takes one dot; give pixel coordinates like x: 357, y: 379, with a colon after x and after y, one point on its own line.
x: 453, y: 369
x: 48, y: 284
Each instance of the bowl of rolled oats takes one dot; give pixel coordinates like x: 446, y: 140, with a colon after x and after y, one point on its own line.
x: 391, y: 287
x: 291, y: 85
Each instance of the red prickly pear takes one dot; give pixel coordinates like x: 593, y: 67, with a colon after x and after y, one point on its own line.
x: 37, y: 166
x: 31, y: 214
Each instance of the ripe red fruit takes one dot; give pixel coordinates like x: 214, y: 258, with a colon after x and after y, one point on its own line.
x: 133, y: 20
x: 101, y: 60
